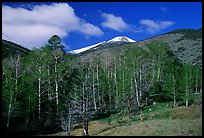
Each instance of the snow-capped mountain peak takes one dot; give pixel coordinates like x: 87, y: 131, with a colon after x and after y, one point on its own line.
x: 121, y: 38
x: 116, y: 39
x: 85, y: 48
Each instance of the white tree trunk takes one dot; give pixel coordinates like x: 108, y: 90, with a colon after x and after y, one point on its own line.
x: 153, y: 70
x: 124, y: 80
x: 49, y: 82
x: 69, y: 122
x: 109, y: 93
x: 56, y: 93
x: 140, y: 88
x: 186, y: 90
x: 136, y: 87
x: 174, y: 90
x: 83, y: 99
x: 39, y: 98
x: 116, y: 88
x: 158, y: 73
x: 98, y: 84
x: 9, y: 110
x: 95, y: 106
x: 196, y: 85
x: 201, y: 84
x: 16, y: 62
x: 56, y: 85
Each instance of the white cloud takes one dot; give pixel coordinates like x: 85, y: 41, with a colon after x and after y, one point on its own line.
x: 155, y: 26
x: 30, y: 36
x: 32, y: 28
x: 114, y: 22
x: 90, y: 29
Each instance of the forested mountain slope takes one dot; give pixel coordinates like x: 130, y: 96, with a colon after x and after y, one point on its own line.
x: 11, y: 48
x: 49, y: 90
x: 186, y: 44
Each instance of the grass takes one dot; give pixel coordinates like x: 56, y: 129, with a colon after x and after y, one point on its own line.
x: 163, y: 121
x: 160, y: 119
x: 163, y: 127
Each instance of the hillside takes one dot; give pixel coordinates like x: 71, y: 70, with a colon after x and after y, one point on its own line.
x: 186, y: 44
x: 161, y: 120
x: 116, y: 41
x: 11, y: 48
x: 123, y: 83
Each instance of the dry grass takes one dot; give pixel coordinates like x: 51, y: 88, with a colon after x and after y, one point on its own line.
x: 95, y: 127
x: 182, y: 121
x: 194, y: 111
x: 158, y: 128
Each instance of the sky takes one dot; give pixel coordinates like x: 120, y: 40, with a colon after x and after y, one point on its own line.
x: 81, y: 24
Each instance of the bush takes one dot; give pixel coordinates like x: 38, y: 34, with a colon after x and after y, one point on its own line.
x: 181, y: 49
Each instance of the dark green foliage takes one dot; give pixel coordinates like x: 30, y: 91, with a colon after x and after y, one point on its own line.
x: 120, y: 82
x: 55, y: 42
x: 189, y: 33
x: 104, y: 46
x: 181, y: 49
x: 157, y: 92
x: 11, y: 49
x: 190, y: 39
x: 198, y: 59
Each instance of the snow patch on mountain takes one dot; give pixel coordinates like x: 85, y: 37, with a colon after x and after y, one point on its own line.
x: 85, y: 48
x: 121, y: 38
x: 116, y: 39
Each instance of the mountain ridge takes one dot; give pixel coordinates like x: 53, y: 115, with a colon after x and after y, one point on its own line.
x: 186, y: 44
x: 11, y: 48
x: 121, y: 38
x: 113, y: 40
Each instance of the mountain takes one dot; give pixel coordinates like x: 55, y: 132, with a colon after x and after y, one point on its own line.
x: 140, y: 81
x: 10, y: 48
x: 85, y: 48
x: 121, y: 38
x: 115, y: 41
x: 186, y: 44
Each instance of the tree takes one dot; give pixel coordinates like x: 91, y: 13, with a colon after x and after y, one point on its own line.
x: 12, y: 73
x: 84, y: 97
x: 58, y: 54
x: 69, y: 116
x: 87, y: 96
x: 37, y: 67
x: 172, y: 83
x: 68, y: 105
x: 187, y: 83
x: 55, y: 42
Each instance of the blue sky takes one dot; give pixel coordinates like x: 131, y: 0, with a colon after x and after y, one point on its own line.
x: 80, y: 24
